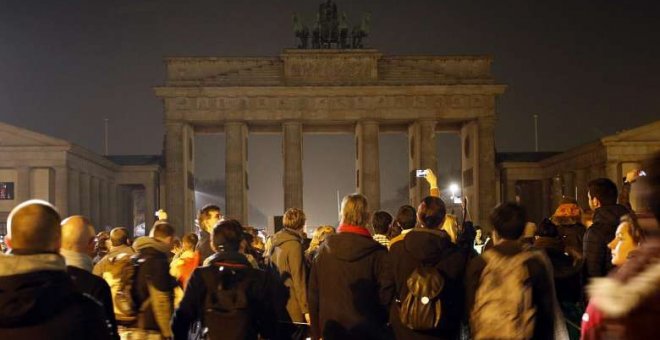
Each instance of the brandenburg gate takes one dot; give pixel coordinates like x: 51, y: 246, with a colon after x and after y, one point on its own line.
x: 356, y: 91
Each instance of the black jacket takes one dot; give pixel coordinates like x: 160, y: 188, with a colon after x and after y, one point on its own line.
x: 204, y: 246
x: 572, y: 236
x: 153, y: 271
x: 39, y: 301
x: 350, y: 288
x: 543, y: 295
x: 596, y: 254
x: 567, y: 268
x: 97, y: 288
x: 260, y: 318
x: 431, y: 248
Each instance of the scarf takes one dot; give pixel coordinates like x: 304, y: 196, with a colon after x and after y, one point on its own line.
x: 353, y: 229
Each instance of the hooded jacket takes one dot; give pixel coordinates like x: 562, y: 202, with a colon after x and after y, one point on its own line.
x: 430, y: 248
x: 287, y: 262
x: 350, y: 288
x: 38, y: 300
x: 154, y: 287
x: 260, y: 318
x: 596, y: 254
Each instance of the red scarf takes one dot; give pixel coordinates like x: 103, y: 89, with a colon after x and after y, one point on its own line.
x: 353, y: 229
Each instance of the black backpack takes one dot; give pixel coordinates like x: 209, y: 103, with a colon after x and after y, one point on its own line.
x: 420, y: 308
x: 227, y: 303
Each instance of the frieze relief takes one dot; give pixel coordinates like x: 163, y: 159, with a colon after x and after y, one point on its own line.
x: 330, y: 103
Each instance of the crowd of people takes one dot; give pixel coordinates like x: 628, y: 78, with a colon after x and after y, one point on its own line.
x: 420, y: 274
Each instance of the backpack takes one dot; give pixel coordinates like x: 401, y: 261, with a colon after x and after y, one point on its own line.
x: 503, y: 305
x: 421, y: 307
x: 124, y: 304
x: 227, y: 303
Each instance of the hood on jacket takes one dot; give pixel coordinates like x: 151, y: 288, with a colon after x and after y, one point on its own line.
x: 610, y: 214
x: 228, y: 257
x: 150, y: 242
x: 286, y: 235
x: 350, y: 247
x: 11, y: 264
x: 32, y: 287
x: 120, y: 250
x: 427, y: 244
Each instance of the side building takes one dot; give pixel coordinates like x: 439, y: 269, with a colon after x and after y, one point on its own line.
x: 539, y: 180
x: 112, y: 191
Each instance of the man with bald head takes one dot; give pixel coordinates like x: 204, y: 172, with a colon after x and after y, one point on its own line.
x: 77, y: 248
x: 38, y: 299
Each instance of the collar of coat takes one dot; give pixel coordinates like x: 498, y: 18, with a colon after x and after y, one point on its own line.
x: 353, y: 229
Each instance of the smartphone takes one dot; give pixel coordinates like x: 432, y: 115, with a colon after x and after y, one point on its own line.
x: 641, y: 173
x: 420, y: 173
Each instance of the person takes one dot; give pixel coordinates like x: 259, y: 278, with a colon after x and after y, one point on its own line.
x: 351, y: 283
x: 405, y: 220
x: 186, y: 261
x: 77, y: 248
x: 207, y: 217
x: 450, y: 226
x: 602, y: 196
x: 568, y: 220
x: 37, y: 297
x: 247, y: 250
x: 101, y: 246
x: 318, y: 237
x: 287, y: 263
x: 112, y: 267
x: 228, y: 274
x: 153, y: 286
x: 509, y: 288
x: 381, y: 221
x: 567, y: 267
x: 429, y: 247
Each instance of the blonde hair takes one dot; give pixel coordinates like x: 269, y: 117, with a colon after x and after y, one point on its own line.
x: 294, y: 218
x: 355, y: 210
x: 319, y: 235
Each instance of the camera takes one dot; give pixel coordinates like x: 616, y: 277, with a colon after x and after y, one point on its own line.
x: 420, y: 173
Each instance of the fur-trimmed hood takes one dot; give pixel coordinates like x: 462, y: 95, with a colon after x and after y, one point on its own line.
x: 637, y: 281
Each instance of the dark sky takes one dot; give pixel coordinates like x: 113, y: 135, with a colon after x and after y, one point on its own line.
x: 588, y: 68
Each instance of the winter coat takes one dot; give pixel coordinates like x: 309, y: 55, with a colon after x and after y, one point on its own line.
x: 572, y: 236
x: 543, y: 297
x: 566, y: 268
x: 350, y: 288
x: 204, y: 246
x: 38, y: 300
x: 153, y: 282
x: 105, y: 265
x: 94, y: 286
x: 596, y: 254
x: 431, y: 248
x: 287, y: 264
x: 260, y: 318
x: 626, y: 304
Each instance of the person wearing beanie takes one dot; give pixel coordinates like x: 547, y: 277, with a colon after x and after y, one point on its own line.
x: 568, y: 219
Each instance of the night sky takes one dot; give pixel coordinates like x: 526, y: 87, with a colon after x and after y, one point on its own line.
x: 588, y: 68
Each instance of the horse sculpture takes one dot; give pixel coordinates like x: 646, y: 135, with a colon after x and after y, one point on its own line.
x: 301, y: 32
x: 361, y: 31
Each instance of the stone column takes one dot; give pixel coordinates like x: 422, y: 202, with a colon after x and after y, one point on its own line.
x: 95, y: 202
x: 546, y: 192
x: 367, y: 162
x: 104, y: 203
x: 61, y: 194
x: 235, y: 171
x: 613, y: 172
x: 179, y: 175
x: 581, y: 184
x: 292, y: 154
x: 486, y: 168
x: 23, y: 186
x: 510, y: 194
x: 74, y: 192
x: 557, y: 186
x: 114, y: 204
x: 85, y: 197
x: 568, y: 184
x: 423, y: 155
x: 150, y: 205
